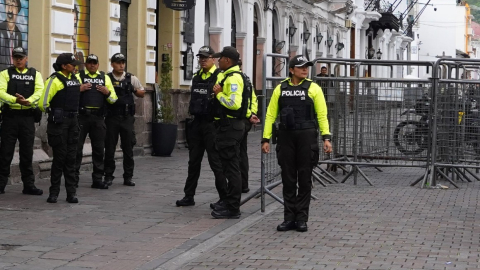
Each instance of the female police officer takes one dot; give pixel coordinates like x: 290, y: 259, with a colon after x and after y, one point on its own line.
x: 60, y: 100
x: 302, y: 109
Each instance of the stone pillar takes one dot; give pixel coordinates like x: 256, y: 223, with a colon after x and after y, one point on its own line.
x: 241, y: 45
x: 248, y: 50
x: 215, y: 38
x: 258, y: 74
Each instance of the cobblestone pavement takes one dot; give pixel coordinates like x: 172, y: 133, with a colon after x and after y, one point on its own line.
x: 388, y: 226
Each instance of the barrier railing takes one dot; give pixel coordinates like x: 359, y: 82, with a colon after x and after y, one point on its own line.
x: 384, y: 121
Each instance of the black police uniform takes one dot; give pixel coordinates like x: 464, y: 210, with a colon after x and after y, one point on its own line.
x: 120, y: 120
x: 201, y: 136
x: 63, y: 132
x: 297, y: 144
x: 19, y: 123
x: 230, y: 128
x: 92, y: 123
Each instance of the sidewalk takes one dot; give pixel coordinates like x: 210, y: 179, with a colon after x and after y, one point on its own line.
x: 388, y: 226
x: 119, y: 228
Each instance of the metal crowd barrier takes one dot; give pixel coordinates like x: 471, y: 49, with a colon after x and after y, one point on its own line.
x: 383, y: 121
x: 270, y: 170
x: 456, y: 122
x: 376, y: 122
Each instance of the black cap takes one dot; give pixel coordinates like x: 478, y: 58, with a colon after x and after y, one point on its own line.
x: 67, y: 58
x: 118, y: 57
x: 299, y: 61
x: 229, y: 52
x: 19, y: 51
x: 205, y: 51
x: 92, y: 58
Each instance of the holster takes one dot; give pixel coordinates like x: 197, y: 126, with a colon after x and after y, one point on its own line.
x: 55, y: 115
x: 37, y: 115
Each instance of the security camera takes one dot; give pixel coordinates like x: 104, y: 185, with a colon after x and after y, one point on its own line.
x: 434, y: 9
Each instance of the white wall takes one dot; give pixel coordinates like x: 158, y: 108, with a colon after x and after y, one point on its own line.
x: 437, y: 31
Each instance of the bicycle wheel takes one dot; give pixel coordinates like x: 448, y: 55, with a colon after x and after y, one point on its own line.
x: 411, y: 137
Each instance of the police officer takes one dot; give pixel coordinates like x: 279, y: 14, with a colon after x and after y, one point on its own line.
x: 20, y: 90
x: 201, y: 131
x: 60, y: 100
x: 302, y: 109
x: 231, y: 107
x: 96, y: 90
x: 120, y: 119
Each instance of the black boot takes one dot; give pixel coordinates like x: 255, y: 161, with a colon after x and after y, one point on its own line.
x: 52, y: 198
x: 286, y: 226
x: 301, y: 226
x: 226, y: 214
x: 128, y: 182
x: 99, y: 185
x: 32, y: 191
x: 186, y: 201
x: 72, y: 198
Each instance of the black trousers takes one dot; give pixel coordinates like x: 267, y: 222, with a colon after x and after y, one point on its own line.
x: 120, y: 126
x: 297, y: 153
x: 63, y: 138
x: 229, y: 136
x: 244, y: 166
x: 21, y: 128
x: 94, y: 126
x: 201, y: 137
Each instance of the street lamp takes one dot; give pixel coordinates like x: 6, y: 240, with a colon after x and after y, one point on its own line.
x: 339, y: 46
x: 306, y: 36
x: 319, y: 39
x: 291, y: 31
x: 329, y: 42
x: 379, y: 54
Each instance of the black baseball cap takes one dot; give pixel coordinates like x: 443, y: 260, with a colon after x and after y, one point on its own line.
x: 19, y: 51
x: 228, y: 51
x: 206, y: 51
x: 92, y: 58
x: 67, y: 58
x: 299, y: 61
x: 118, y: 57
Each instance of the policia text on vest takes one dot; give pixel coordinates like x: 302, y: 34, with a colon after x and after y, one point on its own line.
x: 201, y: 130
x: 61, y: 100
x: 96, y: 91
x: 302, y: 108
x: 20, y: 90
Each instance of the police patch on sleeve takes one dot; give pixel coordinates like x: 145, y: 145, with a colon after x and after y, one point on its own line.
x: 234, y: 87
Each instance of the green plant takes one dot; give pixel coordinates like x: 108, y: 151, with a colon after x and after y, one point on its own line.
x: 164, y: 110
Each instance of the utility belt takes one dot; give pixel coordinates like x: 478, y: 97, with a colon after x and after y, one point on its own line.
x: 57, y: 115
x: 222, y: 122
x: 122, y: 110
x: 36, y: 113
x: 203, y: 117
x: 298, y: 126
x: 11, y: 112
x: 91, y: 111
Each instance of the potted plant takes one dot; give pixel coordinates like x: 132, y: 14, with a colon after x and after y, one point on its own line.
x: 164, y: 128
